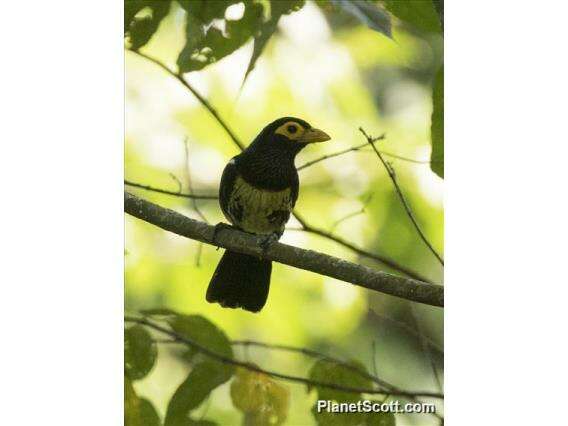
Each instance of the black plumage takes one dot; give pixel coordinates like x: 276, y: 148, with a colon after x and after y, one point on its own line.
x: 257, y: 194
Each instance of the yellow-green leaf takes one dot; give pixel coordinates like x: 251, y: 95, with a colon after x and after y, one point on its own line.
x: 140, y: 352
x: 138, y: 411
x: 203, y: 378
x: 380, y: 419
x: 264, y: 401
x: 418, y: 13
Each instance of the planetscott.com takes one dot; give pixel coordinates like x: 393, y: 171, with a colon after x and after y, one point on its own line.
x: 367, y: 406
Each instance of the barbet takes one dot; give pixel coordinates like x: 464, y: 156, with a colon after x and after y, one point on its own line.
x: 257, y: 194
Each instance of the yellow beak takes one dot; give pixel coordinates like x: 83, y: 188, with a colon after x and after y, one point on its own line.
x: 314, y: 135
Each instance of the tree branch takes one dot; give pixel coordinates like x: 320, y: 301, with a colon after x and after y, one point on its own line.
x: 405, y: 204
x: 227, y: 360
x: 232, y: 239
x: 305, y: 227
x: 391, y: 263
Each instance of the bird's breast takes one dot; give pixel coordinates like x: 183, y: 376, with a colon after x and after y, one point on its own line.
x: 259, y: 211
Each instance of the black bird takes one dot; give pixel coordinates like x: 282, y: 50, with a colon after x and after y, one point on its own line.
x: 258, y: 191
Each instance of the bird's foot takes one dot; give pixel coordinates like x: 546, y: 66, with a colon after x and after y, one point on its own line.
x: 218, y: 228
x: 267, y: 241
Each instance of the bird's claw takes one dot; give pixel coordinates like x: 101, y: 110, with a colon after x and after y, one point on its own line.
x: 218, y: 228
x: 267, y: 241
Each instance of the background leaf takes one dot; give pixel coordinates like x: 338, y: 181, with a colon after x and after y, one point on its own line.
x: 138, y: 411
x: 368, y: 13
x: 140, y: 352
x: 263, y: 400
x: 202, y: 379
x: 380, y: 419
x: 277, y: 9
x: 206, y: 43
x: 203, y: 332
x: 131, y: 8
x: 418, y: 13
x: 140, y: 30
x: 206, y: 374
x: 331, y: 372
x: 437, y: 127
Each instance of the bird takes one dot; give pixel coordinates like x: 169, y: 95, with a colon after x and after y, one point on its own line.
x: 258, y: 191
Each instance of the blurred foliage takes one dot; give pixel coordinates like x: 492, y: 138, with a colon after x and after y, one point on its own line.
x: 140, y: 352
x: 333, y: 64
x: 368, y: 13
x: 330, y: 372
x: 138, y: 411
x: 419, y: 13
x: 437, y: 129
x: 261, y: 399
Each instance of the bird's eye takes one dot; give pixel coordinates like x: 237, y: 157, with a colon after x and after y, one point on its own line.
x: 292, y: 129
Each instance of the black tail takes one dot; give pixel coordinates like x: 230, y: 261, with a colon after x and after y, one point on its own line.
x: 240, y: 281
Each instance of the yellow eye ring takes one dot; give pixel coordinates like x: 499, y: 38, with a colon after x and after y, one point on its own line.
x: 292, y: 129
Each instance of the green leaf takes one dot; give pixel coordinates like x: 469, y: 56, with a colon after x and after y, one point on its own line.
x: 191, y: 422
x: 205, y: 42
x: 264, y: 401
x: 148, y: 414
x: 207, y: 10
x: 277, y: 9
x: 418, y: 13
x: 140, y: 352
x: 368, y: 13
x: 380, y: 419
x: 203, y: 332
x: 131, y: 8
x: 138, y: 411
x: 437, y: 127
x: 325, y: 418
x: 140, y: 30
x: 206, y: 374
x: 204, y: 377
x: 333, y: 373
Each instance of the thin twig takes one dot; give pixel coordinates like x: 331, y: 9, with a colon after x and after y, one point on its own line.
x: 360, y: 148
x: 176, y: 179
x: 335, y: 154
x: 404, y: 326
x: 189, y: 185
x: 352, y: 214
x: 407, y: 208
x: 426, y: 348
x: 167, y: 192
x: 251, y: 367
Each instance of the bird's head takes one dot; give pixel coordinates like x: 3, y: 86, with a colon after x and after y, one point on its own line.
x: 289, y: 134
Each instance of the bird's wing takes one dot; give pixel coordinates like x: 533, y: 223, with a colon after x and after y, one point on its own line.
x: 295, y: 188
x: 226, y: 187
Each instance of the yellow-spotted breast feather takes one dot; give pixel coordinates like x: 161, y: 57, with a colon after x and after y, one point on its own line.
x: 252, y: 209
